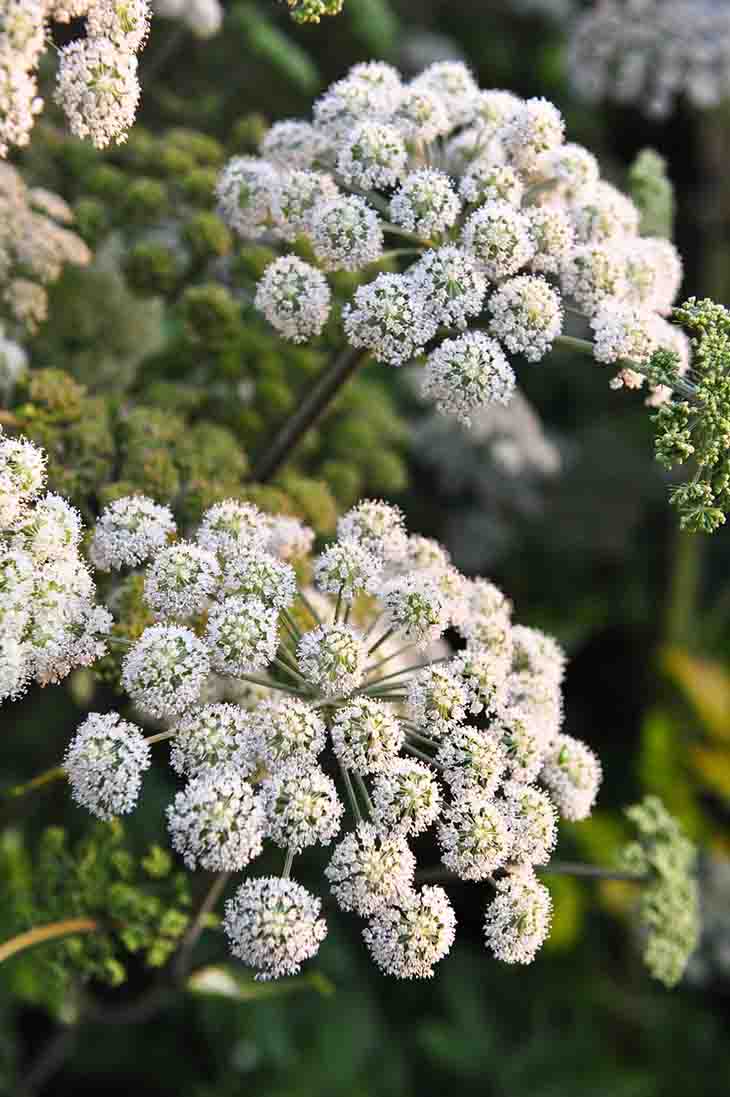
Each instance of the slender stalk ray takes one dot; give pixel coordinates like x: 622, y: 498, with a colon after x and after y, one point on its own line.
x: 309, y: 412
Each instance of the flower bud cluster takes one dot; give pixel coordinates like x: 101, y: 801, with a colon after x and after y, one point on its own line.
x: 368, y: 729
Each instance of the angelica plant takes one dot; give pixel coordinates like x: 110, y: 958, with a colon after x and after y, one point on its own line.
x: 36, y: 243
x: 500, y: 240
x: 97, y: 84
x: 50, y: 621
x: 359, y: 701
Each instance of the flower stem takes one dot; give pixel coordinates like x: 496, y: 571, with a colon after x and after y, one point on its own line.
x: 597, y: 872
x: 160, y: 736
x: 288, y: 864
x: 351, y: 794
x: 422, y: 755
x: 364, y: 793
x: 49, y: 932
x: 571, y: 342
x: 388, y: 226
x: 292, y: 623
x: 287, y: 669
x: 424, y: 739
x: 387, y: 659
x: 309, y: 607
x: 405, y: 670
x: 310, y: 410
x: 198, y: 924
x: 386, y: 636
x: 55, y: 773
x: 271, y: 684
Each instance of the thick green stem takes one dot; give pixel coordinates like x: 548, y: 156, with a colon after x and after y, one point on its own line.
x: 684, y: 587
x: 310, y: 410
x: 596, y: 872
x: 198, y: 924
x: 55, y: 773
x: 571, y: 342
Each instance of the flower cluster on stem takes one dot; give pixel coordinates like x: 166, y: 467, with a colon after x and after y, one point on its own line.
x: 368, y: 727
x: 492, y: 226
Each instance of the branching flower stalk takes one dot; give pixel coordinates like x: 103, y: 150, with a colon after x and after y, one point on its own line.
x: 421, y: 736
x: 510, y: 228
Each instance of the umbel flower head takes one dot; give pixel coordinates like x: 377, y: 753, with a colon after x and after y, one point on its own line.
x: 495, y: 229
x: 361, y: 731
x: 105, y: 761
x: 49, y: 620
x: 97, y: 85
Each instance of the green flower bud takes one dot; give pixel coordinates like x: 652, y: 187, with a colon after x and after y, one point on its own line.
x: 207, y: 236
x: 152, y: 269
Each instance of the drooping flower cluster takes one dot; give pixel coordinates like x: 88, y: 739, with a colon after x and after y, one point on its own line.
x: 49, y: 621
x: 35, y: 245
x: 651, y: 52
x: 97, y: 85
x: 361, y: 703
x: 507, y: 224
x: 664, y: 858
x: 695, y: 424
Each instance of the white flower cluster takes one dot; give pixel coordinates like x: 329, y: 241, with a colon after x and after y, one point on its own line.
x: 97, y: 85
x: 507, y: 222
x: 651, y: 52
x: 36, y: 243
x: 49, y: 620
x: 362, y: 705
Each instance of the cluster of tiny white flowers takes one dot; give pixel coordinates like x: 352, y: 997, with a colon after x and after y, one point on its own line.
x: 294, y: 298
x: 49, y: 620
x: 505, y: 219
x: 391, y: 317
x: 97, y: 85
x: 36, y: 243
x: 464, y: 374
x: 360, y: 714
x: 652, y: 52
x: 105, y: 761
x: 130, y: 531
x: 217, y: 821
